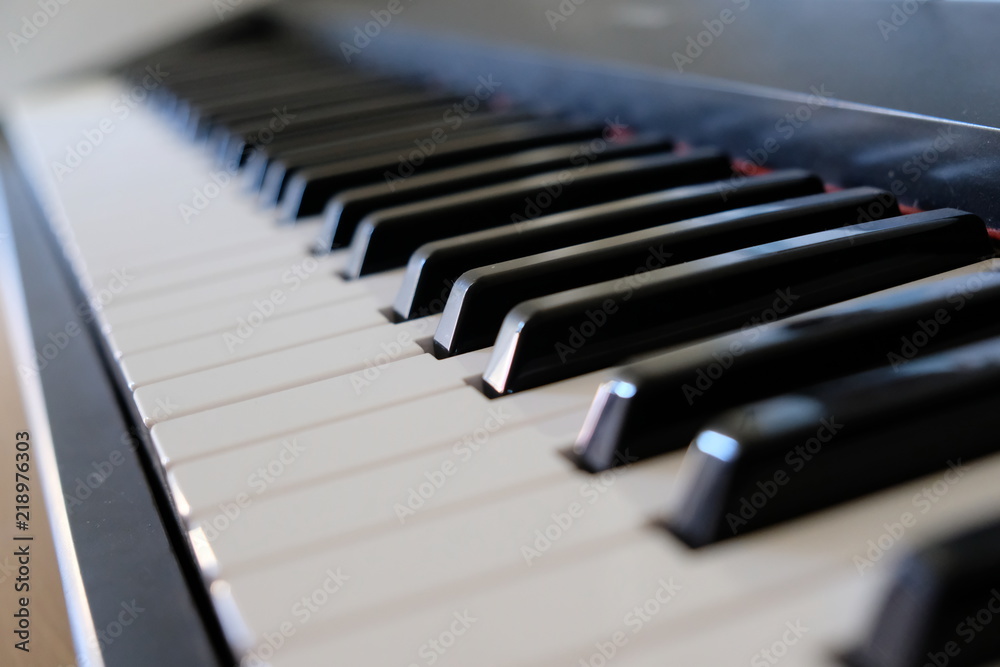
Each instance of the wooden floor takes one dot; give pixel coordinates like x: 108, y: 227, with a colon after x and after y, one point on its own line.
x: 50, y: 644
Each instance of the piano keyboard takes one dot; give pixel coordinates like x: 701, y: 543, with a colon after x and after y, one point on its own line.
x: 422, y: 367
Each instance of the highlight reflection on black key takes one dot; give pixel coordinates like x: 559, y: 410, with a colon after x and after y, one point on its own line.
x: 311, y: 188
x: 386, y: 239
x: 656, y: 405
x: 570, y: 333
x: 483, y: 296
x: 780, y: 458
x: 345, y: 211
x: 941, y: 604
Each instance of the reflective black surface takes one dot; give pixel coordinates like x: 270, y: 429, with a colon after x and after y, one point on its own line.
x: 577, y: 331
x: 941, y: 605
x: 828, y: 443
x: 387, y: 238
x: 346, y: 210
x: 657, y: 405
x: 472, y: 317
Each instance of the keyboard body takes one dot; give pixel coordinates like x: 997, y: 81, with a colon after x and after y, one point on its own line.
x: 397, y: 537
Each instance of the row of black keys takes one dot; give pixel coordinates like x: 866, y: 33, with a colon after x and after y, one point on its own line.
x: 631, y: 248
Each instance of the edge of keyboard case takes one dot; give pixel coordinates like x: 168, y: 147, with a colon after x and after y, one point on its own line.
x: 877, y: 147
x: 91, y: 421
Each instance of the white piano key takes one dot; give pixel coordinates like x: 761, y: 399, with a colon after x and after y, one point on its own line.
x: 406, y: 561
x: 218, y: 317
x: 811, y: 625
x: 562, y: 605
x: 303, y: 407
x: 266, y: 258
x: 400, y: 431
x: 282, y: 239
x: 510, y: 465
x: 285, y: 368
x: 244, y: 340
x: 256, y: 285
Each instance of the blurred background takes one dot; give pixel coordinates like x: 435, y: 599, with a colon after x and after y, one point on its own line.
x: 76, y: 34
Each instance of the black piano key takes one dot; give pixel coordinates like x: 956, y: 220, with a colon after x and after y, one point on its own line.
x: 230, y: 142
x: 474, y: 312
x: 203, y: 80
x: 344, y: 212
x: 200, y: 116
x: 570, y: 333
x: 656, y: 405
x: 482, y: 129
x: 330, y: 99
x: 190, y: 78
x: 387, y: 238
x: 255, y: 89
x: 310, y: 189
x: 941, y: 606
x: 783, y: 457
x: 534, y: 259
x: 378, y: 118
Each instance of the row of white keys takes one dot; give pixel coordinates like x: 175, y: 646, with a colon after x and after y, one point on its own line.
x: 568, y: 601
x: 363, y: 351
x: 294, y: 296
x: 245, y: 340
x: 153, y: 173
x: 509, y: 488
x: 328, y: 451
x: 286, y: 412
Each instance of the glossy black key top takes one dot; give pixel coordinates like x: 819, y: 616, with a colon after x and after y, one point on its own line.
x: 386, y: 239
x: 310, y: 189
x: 232, y: 142
x: 477, y: 307
x: 942, y: 606
x: 344, y: 212
x: 562, y: 251
x: 199, y: 118
x: 830, y: 443
x: 570, y: 333
x: 414, y: 140
x: 656, y: 405
x: 375, y: 120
